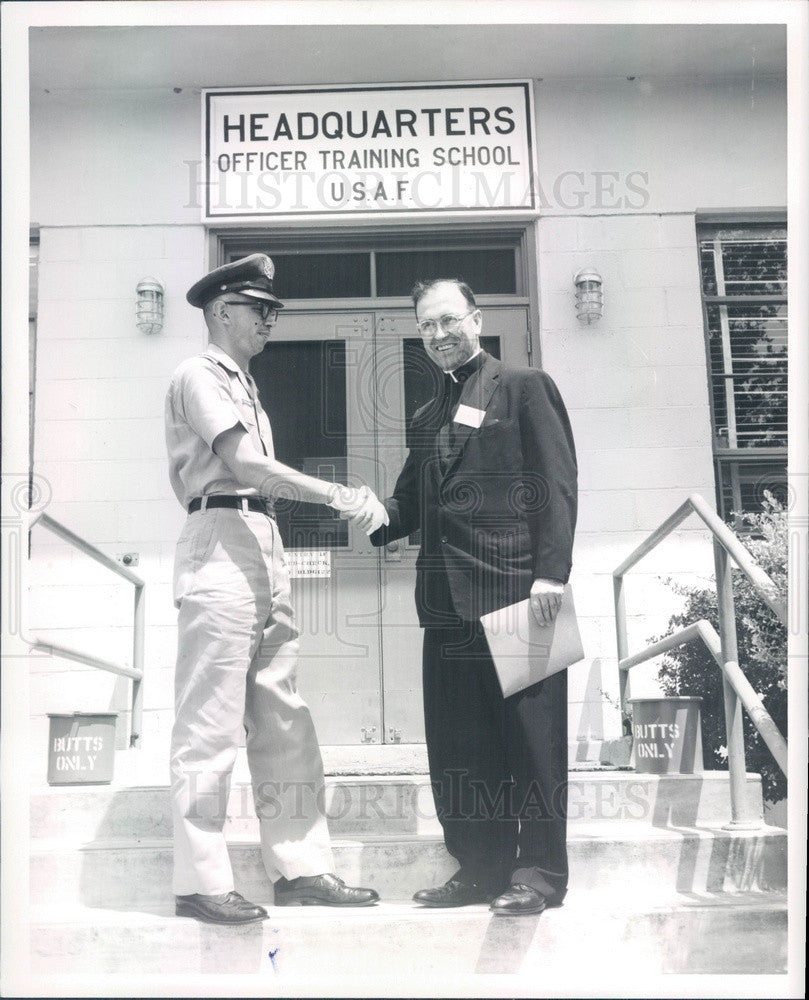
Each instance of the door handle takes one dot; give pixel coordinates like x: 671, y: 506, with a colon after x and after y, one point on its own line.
x: 393, y: 552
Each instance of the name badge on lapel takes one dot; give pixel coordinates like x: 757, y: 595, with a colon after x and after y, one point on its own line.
x: 469, y: 416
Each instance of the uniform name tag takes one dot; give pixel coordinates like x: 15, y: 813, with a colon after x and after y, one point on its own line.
x: 469, y: 415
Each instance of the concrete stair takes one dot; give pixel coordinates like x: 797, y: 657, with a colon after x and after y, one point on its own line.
x: 393, y: 804
x: 656, y: 878
x: 690, y: 933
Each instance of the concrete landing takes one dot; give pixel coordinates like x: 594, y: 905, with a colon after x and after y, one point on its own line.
x: 742, y: 933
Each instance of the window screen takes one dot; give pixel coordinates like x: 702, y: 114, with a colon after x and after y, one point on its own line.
x: 744, y: 287
x: 748, y: 353
x: 735, y: 264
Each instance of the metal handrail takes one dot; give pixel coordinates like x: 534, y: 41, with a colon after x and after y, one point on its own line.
x: 695, y: 504
x: 135, y: 672
x: 751, y: 700
x: 738, y: 692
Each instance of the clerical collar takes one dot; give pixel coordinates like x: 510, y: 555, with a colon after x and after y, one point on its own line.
x: 469, y: 367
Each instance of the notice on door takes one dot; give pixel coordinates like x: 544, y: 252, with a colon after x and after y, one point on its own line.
x: 326, y: 151
x: 309, y: 563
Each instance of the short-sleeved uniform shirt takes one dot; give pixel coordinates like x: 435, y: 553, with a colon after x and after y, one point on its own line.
x: 209, y: 394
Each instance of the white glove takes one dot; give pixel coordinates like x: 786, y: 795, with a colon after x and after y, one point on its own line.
x: 361, y: 506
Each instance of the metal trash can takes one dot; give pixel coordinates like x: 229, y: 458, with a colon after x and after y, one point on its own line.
x: 667, y: 735
x: 81, y: 748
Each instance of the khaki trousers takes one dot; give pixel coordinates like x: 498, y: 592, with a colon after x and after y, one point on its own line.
x: 236, y: 669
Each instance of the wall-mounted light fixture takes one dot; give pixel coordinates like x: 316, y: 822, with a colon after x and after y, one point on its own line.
x: 149, y: 305
x: 589, y: 296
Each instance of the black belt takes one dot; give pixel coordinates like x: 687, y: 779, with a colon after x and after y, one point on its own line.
x: 256, y: 504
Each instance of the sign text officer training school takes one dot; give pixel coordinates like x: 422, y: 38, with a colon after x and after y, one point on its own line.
x: 319, y: 151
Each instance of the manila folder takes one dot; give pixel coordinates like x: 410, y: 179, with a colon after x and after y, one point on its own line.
x: 525, y: 652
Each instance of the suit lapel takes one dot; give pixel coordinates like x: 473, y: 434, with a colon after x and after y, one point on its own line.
x: 477, y: 393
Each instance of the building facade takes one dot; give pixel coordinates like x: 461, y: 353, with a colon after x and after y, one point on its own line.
x: 659, y: 162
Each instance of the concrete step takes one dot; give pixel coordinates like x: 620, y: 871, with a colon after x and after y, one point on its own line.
x: 603, y: 856
x: 393, y: 804
x: 148, y: 764
x: 404, y: 944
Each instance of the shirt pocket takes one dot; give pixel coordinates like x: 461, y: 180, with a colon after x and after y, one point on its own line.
x: 246, y: 411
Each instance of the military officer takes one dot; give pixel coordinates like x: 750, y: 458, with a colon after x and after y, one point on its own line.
x: 237, y: 637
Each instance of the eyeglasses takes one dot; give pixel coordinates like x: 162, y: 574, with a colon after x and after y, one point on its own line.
x: 268, y: 312
x: 449, y: 324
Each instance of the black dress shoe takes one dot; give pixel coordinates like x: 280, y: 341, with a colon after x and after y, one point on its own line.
x: 519, y: 900
x: 229, y: 908
x: 321, y: 890
x: 453, y: 893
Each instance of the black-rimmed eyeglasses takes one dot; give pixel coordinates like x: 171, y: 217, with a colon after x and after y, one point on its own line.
x: 268, y: 312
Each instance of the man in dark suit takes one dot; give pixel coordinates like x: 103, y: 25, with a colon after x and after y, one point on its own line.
x: 490, y: 479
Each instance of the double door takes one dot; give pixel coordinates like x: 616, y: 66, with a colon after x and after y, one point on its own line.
x: 340, y: 387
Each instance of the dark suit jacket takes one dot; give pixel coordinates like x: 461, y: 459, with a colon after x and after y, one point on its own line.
x: 497, y: 507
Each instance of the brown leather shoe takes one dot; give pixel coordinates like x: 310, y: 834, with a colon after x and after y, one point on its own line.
x: 453, y: 893
x: 519, y: 900
x: 229, y: 908
x: 321, y: 890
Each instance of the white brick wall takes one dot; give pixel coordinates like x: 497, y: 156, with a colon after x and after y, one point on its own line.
x: 99, y: 441
x: 82, y: 399
x: 635, y: 384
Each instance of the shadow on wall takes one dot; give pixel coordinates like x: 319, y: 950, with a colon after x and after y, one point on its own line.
x: 599, y: 738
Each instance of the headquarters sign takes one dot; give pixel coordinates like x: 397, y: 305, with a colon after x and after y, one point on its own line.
x: 325, y: 151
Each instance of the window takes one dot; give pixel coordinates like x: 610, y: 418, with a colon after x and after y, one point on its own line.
x: 744, y: 293
x: 488, y: 272
x: 368, y: 267
x: 322, y: 275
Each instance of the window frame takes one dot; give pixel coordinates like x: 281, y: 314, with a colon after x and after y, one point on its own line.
x: 520, y: 235
x: 729, y: 462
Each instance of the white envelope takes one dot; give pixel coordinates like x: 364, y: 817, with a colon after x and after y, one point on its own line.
x: 525, y: 652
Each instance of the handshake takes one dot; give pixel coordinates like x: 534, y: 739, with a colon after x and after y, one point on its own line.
x: 360, y: 506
